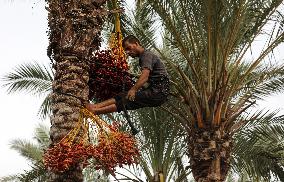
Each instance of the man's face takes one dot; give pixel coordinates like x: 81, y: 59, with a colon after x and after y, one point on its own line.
x: 131, y: 49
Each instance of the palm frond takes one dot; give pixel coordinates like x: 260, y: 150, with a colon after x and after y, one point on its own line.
x: 264, y: 157
x: 45, y: 110
x: 272, y: 81
x: 37, y: 173
x: 33, y: 153
x: 41, y: 135
x: 29, y: 77
x: 10, y: 178
x: 32, y: 78
x: 27, y: 149
x: 143, y: 24
x: 161, y: 145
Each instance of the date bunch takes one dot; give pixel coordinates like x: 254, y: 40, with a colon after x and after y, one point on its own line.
x: 108, y: 75
x: 113, y: 149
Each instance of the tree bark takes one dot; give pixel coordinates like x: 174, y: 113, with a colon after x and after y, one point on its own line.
x: 75, y: 27
x: 209, y: 152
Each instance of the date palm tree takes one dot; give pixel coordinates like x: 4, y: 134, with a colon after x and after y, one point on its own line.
x: 247, y: 81
x: 214, y: 79
x: 74, y: 32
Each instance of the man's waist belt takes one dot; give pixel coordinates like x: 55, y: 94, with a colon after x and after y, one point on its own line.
x: 161, y: 83
x: 158, y: 79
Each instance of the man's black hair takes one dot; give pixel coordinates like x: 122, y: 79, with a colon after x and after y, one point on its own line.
x: 131, y: 39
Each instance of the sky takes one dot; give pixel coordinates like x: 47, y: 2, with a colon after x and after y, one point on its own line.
x: 23, y: 39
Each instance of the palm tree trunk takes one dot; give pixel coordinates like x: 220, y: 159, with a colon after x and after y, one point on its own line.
x: 75, y: 27
x: 209, y: 152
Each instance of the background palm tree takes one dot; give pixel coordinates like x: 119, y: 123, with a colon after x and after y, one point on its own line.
x: 33, y: 152
x: 205, y: 45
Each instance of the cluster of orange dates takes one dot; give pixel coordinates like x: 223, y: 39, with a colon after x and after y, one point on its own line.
x: 108, y: 75
x: 114, y: 148
x: 62, y: 156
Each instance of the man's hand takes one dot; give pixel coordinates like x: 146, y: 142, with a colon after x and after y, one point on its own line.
x: 143, y: 78
x: 131, y: 94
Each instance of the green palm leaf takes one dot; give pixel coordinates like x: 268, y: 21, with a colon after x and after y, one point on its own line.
x: 32, y: 151
x: 44, y: 110
x: 32, y: 78
x: 264, y: 157
x: 29, y: 77
x: 41, y: 135
x: 161, y: 145
x: 10, y: 178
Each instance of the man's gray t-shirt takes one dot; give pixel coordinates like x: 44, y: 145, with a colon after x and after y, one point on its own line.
x: 152, y: 62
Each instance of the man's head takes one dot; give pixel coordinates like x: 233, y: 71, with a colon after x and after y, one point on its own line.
x: 132, y: 46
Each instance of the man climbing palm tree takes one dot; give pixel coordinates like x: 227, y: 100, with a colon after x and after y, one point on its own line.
x: 153, y: 72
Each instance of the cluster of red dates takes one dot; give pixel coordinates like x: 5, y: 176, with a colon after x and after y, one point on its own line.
x: 108, y: 75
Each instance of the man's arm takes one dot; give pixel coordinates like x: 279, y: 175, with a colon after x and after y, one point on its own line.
x: 143, y: 78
